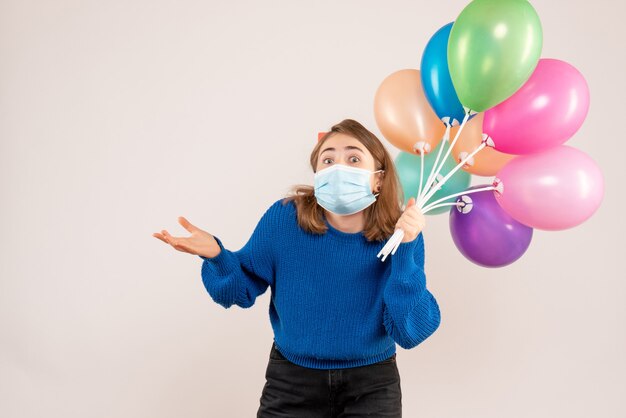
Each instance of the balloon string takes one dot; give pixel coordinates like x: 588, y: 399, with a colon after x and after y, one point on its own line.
x: 392, y: 244
x: 440, y: 164
x: 396, y: 239
x: 466, y: 192
x: 419, y: 192
x: 395, y: 247
x: 441, y: 205
x: 454, y: 170
x: 446, y: 138
x: 430, y: 181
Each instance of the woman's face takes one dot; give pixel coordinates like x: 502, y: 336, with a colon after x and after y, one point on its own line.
x: 344, y: 149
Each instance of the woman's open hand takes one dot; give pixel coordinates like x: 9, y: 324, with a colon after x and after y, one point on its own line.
x: 412, y: 221
x: 199, y: 243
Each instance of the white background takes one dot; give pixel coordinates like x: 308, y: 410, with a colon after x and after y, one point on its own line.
x: 116, y: 117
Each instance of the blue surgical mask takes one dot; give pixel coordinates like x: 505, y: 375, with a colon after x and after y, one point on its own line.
x: 344, y: 190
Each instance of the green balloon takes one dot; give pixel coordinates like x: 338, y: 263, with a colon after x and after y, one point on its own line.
x: 408, y: 168
x: 493, y: 48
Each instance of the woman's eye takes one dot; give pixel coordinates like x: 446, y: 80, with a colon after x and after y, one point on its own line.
x: 354, y: 159
x: 326, y: 159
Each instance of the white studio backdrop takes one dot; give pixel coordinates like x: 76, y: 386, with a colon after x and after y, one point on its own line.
x: 117, y: 117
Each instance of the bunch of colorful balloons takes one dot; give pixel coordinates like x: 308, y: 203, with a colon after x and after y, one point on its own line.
x: 482, y: 82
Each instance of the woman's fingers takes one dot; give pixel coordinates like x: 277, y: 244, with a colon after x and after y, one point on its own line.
x: 160, y: 236
x: 411, y: 220
x: 194, y: 244
x: 176, y: 242
x: 412, y: 213
x: 170, y: 239
x: 412, y: 208
x: 187, y: 225
x: 414, y: 219
x: 181, y: 245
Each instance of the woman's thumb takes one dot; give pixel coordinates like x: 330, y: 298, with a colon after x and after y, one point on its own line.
x: 411, y: 202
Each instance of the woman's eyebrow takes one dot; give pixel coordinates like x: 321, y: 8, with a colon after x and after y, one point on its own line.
x: 347, y: 147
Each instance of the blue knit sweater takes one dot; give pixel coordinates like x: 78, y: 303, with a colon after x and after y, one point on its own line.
x: 333, y: 304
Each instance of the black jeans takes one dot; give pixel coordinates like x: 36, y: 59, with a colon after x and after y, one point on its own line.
x: 293, y: 391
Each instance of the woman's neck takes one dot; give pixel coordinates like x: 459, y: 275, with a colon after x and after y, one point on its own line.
x: 346, y: 223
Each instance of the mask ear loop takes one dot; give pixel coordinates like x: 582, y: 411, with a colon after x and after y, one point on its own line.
x: 381, y: 170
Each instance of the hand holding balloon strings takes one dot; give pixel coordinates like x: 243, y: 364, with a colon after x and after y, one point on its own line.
x: 531, y: 107
x: 430, y: 188
x: 455, y: 61
x: 411, y: 223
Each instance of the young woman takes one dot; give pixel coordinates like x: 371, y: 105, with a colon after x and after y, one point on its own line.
x: 337, y: 311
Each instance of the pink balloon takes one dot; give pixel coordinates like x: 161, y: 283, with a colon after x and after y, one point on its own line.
x: 551, y: 190
x: 546, y: 111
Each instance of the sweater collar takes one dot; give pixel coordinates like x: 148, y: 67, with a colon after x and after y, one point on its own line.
x: 354, y: 236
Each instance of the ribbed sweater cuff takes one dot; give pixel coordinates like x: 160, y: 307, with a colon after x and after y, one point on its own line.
x: 404, y: 257
x: 224, y: 262
x: 404, y: 264
x: 407, y: 282
x: 420, y: 323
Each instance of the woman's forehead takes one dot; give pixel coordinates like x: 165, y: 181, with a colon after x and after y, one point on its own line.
x: 339, y: 142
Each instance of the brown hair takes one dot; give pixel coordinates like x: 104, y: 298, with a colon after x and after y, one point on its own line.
x: 382, y: 215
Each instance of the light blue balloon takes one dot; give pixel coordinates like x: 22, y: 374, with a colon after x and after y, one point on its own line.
x: 436, y: 79
x: 408, y: 170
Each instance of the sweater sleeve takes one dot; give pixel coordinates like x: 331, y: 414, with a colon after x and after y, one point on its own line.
x: 410, y: 312
x: 238, y: 277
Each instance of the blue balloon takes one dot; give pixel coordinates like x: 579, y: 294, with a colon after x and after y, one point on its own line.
x: 436, y: 79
